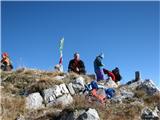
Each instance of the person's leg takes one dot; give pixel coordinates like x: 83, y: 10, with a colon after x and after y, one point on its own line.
x: 100, y: 75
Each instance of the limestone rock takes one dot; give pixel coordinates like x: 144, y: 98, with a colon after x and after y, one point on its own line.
x: 149, y: 87
x: 70, y: 88
x: 63, y: 88
x: 110, y: 84
x: 91, y: 114
x: 57, y: 91
x: 49, y: 96
x: 34, y: 101
x: 64, y: 100
x: 148, y: 114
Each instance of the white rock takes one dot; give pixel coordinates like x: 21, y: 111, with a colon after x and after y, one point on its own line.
x: 80, y: 80
x: 57, y: 91
x: 65, y: 100
x: 149, y: 87
x: 70, y: 88
x: 49, y: 95
x: 34, y: 101
x: 148, y: 114
x: 91, y: 114
x: 63, y: 88
x: 78, y: 88
x: 110, y: 84
x: 94, y: 113
x: 59, y: 77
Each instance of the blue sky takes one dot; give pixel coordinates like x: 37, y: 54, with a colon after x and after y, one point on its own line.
x: 126, y: 32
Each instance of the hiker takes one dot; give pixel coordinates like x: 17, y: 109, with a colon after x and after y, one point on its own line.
x: 76, y: 65
x: 6, y: 64
x: 98, y: 67
x: 114, y: 74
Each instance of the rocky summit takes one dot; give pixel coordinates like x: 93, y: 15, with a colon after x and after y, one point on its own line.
x: 28, y: 94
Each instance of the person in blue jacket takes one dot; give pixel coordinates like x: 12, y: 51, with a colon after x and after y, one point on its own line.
x: 98, y: 67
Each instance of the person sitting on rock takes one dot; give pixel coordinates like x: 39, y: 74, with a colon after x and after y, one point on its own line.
x: 76, y: 65
x: 98, y: 67
x: 6, y: 64
x: 114, y: 74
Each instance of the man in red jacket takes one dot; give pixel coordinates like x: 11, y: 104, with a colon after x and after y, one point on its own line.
x: 76, y: 65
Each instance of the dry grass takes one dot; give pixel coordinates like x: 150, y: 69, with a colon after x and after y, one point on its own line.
x: 149, y: 100
x: 35, y: 81
x: 11, y: 107
x: 152, y: 100
x: 17, y: 82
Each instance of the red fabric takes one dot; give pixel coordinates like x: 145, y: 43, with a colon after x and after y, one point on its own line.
x: 4, y: 55
x: 76, y: 62
x: 101, y: 98
x: 110, y: 74
x: 60, y: 61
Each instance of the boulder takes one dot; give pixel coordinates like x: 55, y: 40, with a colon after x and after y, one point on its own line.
x: 34, y: 101
x: 110, y: 84
x: 80, y: 80
x: 148, y: 86
x: 70, y: 115
x: 79, y: 84
x: 70, y: 88
x: 148, y: 114
x: 49, y: 96
x: 57, y: 91
x: 63, y: 88
x: 90, y: 114
x: 64, y: 100
x: 77, y: 88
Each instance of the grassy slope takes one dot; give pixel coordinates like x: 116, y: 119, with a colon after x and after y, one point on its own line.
x: 14, y: 83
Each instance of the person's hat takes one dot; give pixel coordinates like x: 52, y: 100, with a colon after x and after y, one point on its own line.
x: 5, y: 54
x: 75, y: 54
x: 101, y: 55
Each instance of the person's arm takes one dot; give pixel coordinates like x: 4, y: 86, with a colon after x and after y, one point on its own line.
x: 82, y: 67
x: 99, y: 62
x: 70, y: 66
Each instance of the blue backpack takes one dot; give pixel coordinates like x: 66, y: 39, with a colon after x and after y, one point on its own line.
x: 110, y: 92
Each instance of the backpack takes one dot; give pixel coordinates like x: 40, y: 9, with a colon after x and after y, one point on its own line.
x: 110, y: 92
x: 116, y: 72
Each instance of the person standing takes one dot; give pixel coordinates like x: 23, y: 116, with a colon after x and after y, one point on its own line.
x: 98, y: 67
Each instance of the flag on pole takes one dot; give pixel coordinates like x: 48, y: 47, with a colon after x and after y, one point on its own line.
x: 61, y: 49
